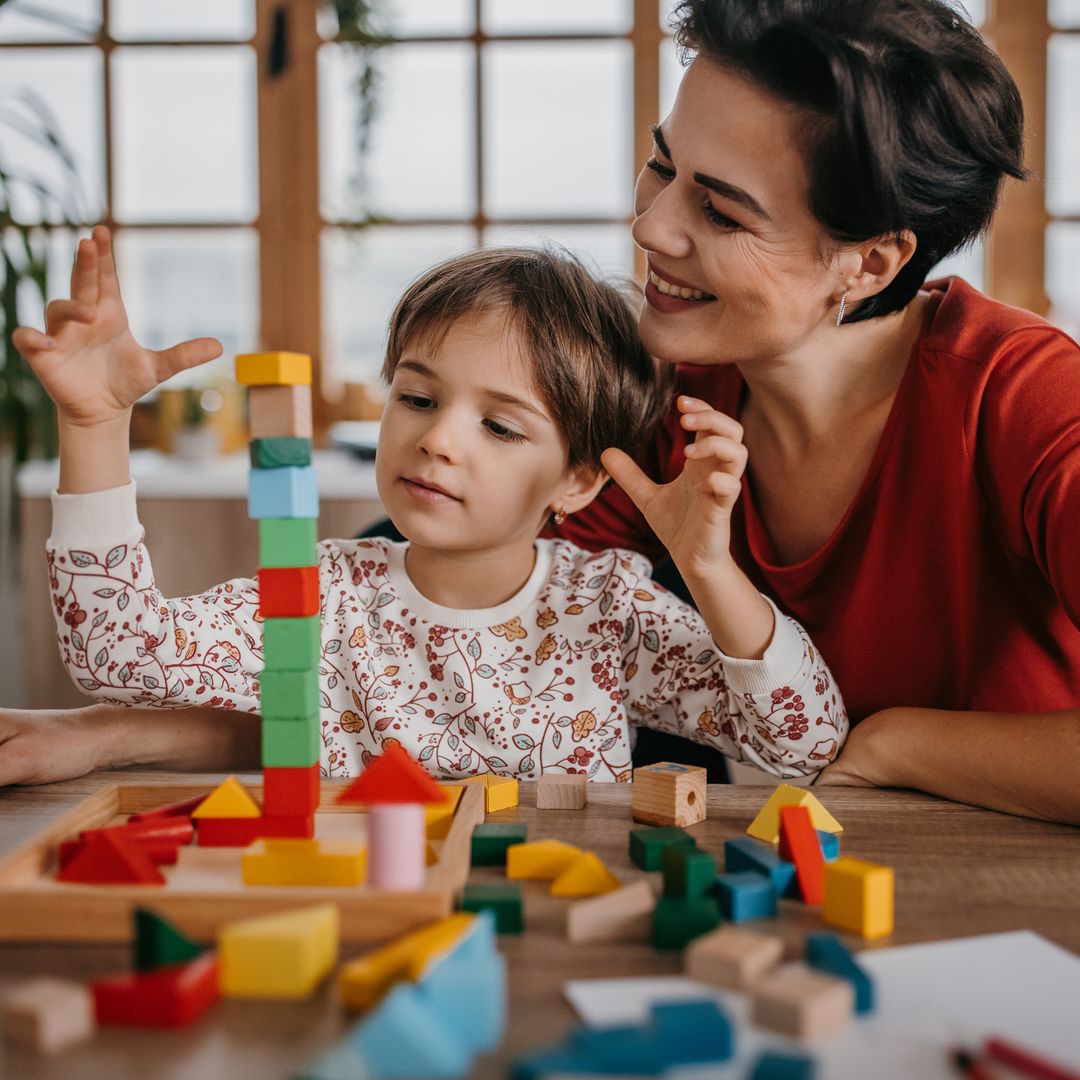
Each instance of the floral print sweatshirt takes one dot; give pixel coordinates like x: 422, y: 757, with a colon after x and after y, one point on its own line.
x: 554, y: 679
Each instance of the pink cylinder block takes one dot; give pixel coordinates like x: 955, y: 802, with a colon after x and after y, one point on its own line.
x: 397, y: 847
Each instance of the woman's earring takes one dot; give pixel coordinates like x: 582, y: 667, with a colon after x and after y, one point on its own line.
x: 559, y: 516
x: 843, y: 308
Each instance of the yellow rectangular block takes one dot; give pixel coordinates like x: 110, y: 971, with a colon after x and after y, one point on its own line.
x: 859, y: 897
x: 766, y: 826
x: 540, y: 860
x: 365, y: 980
x: 279, y: 956
x: 500, y: 792
x: 304, y: 862
x: 438, y: 817
x: 273, y: 369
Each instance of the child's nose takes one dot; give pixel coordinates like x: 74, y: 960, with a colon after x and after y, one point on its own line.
x: 440, y: 439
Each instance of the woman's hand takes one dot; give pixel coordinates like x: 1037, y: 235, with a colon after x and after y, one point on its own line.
x: 41, y: 747
x: 863, y: 761
x: 88, y: 361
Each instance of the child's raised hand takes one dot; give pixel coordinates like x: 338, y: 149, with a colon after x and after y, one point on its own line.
x: 87, y: 359
x: 692, y: 514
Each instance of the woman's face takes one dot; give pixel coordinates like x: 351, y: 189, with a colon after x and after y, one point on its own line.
x: 721, y: 209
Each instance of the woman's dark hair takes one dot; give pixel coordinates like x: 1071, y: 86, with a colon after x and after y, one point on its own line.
x: 914, y: 121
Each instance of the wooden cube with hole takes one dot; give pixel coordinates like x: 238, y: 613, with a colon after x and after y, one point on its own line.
x: 667, y: 793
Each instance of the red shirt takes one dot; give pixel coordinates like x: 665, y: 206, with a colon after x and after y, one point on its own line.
x: 953, y: 579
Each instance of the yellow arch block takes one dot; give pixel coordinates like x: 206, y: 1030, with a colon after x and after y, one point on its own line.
x: 585, y: 876
x: 766, y: 826
x: 540, y: 859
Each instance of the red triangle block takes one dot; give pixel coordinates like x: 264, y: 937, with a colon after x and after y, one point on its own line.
x: 180, y: 809
x: 108, y: 859
x: 165, y: 997
x: 393, y: 778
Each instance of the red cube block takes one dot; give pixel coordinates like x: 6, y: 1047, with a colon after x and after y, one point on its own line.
x: 165, y: 997
x: 287, y: 592
x: 290, y: 792
x: 239, y: 832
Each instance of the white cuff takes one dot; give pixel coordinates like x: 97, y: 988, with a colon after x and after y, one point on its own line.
x: 96, y: 519
x: 779, y: 666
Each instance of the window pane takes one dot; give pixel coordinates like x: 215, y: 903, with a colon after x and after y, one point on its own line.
x: 558, y: 17
x: 406, y: 17
x: 557, y: 129
x: 671, y: 74
x: 1065, y: 13
x: 55, y: 249
x: 193, y: 20
x: 667, y: 9
x: 364, y: 273
x: 185, y: 134
x: 969, y: 263
x: 55, y: 91
x: 1063, y: 275
x: 607, y: 249
x: 1063, y: 130
x: 180, y: 284
x: 421, y: 161
x: 57, y: 20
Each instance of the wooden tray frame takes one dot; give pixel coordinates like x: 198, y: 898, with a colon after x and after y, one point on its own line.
x: 97, y: 913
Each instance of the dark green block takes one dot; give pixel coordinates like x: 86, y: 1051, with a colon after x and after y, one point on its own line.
x: 158, y: 943
x: 289, y: 695
x: 287, y: 542
x: 290, y: 743
x: 688, y: 873
x: 490, y: 841
x: 504, y: 901
x: 292, y: 644
x: 677, y: 921
x: 647, y: 845
x: 277, y: 453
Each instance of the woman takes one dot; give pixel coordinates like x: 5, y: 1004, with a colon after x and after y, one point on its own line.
x: 913, y: 485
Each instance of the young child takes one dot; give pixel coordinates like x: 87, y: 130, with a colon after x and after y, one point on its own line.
x: 476, y: 646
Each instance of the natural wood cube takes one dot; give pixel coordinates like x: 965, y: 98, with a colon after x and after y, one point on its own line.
x: 802, y: 1003
x: 621, y: 916
x: 732, y: 958
x: 279, y: 411
x: 669, y: 794
x: 48, y: 1014
x: 561, y: 791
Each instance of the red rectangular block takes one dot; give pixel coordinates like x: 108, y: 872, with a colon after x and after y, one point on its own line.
x: 287, y: 592
x: 180, y: 809
x: 239, y: 832
x: 290, y: 792
x: 799, y: 844
x: 165, y: 997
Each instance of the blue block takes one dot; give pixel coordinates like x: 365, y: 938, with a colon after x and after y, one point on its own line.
x: 830, y: 844
x: 406, y: 1037
x: 744, y: 853
x: 283, y: 493
x: 745, y: 896
x: 551, y: 1061
x: 692, y: 1032
x: 826, y: 952
x: 342, y: 1062
x: 772, y: 1066
x: 629, y: 1051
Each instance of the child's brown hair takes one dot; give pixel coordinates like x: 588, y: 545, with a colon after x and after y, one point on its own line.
x: 578, y: 331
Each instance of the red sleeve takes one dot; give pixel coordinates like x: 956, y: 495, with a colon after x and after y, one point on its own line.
x: 1028, y: 453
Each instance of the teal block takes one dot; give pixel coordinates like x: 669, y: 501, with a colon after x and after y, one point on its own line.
x: 826, y: 952
x: 624, y: 1050
x: 292, y: 644
x: 688, y: 872
x: 491, y: 839
x: 503, y: 901
x: 647, y: 845
x: 773, y: 1066
x: 692, y: 1033
x: 288, y: 542
x: 289, y: 695
x: 744, y: 853
x: 745, y: 896
x: 283, y: 493
x: 830, y: 845
x: 279, y: 452
x: 290, y: 743
x: 677, y: 920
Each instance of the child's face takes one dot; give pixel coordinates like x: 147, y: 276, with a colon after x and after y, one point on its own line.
x: 469, y: 456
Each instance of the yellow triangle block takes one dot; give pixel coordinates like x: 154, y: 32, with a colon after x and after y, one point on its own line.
x: 541, y: 859
x: 766, y: 826
x: 229, y: 800
x: 586, y: 876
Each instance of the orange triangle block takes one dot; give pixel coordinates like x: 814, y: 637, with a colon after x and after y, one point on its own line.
x: 108, y: 859
x: 228, y: 800
x: 586, y: 876
x: 393, y: 778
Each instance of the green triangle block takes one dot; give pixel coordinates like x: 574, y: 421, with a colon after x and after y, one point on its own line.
x: 158, y: 942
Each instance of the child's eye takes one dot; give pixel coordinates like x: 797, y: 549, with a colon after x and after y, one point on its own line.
x: 416, y: 401
x: 501, y: 431
x: 665, y: 172
x: 717, y: 218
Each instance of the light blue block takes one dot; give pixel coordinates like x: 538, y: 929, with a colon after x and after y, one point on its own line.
x: 744, y: 853
x: 745, y: 896
x: 283, y: 493
x: 692, y: 1032
x: 830, y: 845
x: 342, y: 1062
x: 406, y: 1037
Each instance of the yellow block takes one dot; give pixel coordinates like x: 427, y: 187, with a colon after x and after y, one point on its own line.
x: 438, y: 817
x: 279, y: 956
x: 541, y: 859
x: 365, y: 980
x: 585, y: 876
x: 228, y: 800
x: 273, y: 369
x: 304, y: 862
x: 500, y: 792
x: 766, y: 826
x: 859, y: 897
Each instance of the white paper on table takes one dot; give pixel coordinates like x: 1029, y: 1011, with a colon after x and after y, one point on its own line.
x: 930, y: 997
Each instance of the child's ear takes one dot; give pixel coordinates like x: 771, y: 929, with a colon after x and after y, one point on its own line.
x: 583, y: 485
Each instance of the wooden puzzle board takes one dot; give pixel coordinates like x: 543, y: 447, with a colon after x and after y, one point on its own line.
x: 204, y: 890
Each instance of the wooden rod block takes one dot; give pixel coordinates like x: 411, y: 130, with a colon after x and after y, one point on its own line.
x: 561, y: 791
x: 801, y: 1003
x: 621, y: 916
x: 732, y: 958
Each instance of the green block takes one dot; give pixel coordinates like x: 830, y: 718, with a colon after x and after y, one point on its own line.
x: 647, y: 845
x: 289, y: 695
x: 490, y: 841
x: 503, y: 901
x: 290, y: 743
x: 158, y: 943
x: 677, y: 920
x: 287, y: 542
x: 292, y: 644
x: 277, y: 453
x: 688, y: 873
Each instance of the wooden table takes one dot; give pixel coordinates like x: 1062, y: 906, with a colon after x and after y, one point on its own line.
x: 959, y: 871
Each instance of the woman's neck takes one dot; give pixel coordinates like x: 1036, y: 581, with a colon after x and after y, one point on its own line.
x: 470, y: 580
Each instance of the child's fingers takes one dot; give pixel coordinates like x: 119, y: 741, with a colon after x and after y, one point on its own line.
x: 107, y: 281
x: 27, y: 340
x: 186, y: 355
x: 711, y: 422
x: 84, y: 273
x: 717, y: 450
x: 60, y: 312
x: 624, y: 470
